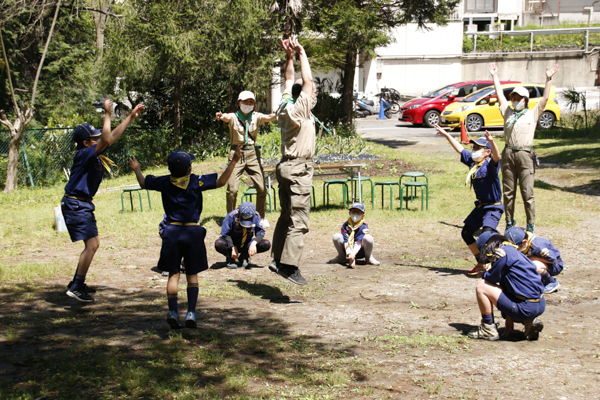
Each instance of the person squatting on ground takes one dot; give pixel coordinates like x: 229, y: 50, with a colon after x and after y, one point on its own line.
x: 242, y: 236
x: 542, y: 252
x: 484, y: 164
x: 243, y: 129
x: 181, y: 194
x: 354, y: 241
x: 518, y: 157
x: 86, y: 175
x: 295, y: 170
x: 512, y: 284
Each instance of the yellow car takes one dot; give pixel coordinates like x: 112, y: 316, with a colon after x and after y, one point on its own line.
x: 481, y: 108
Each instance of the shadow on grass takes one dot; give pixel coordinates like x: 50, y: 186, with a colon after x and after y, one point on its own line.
x: 263, y: 291
x: 590, y: 189
x: 443, y: 271
x: 121, y: 347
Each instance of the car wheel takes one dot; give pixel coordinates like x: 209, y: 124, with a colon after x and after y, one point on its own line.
x: 474, y: 122
x: 547, y: 120
x: 431, y: 118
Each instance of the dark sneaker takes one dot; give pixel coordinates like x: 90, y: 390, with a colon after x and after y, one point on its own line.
x: 80, y: 294
x: 173, y: 320
x: 296, y: 277
x: 551, y: 287
x: 510, y: 225
x: 530, y: 227
x: 86, y: 287
x: 533, y: 327
x: 231, y: 263
x: 190, y: 320
x: 288, y: 272
x: 273, y: 267
x: 485, y: 332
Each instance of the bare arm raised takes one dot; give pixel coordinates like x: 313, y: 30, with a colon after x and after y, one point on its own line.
x: 308, y: 86
x: 499, y: 92
x: 457, y: 146
x: 118, y: 131
x: 550, y: 71
x: 289, y: 64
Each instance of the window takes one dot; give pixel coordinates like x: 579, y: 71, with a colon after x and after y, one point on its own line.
x: 533, y: 92
x: 480, y: 6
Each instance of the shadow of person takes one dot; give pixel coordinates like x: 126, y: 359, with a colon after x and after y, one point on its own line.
x: 215, y: 218
x: 263, y: 291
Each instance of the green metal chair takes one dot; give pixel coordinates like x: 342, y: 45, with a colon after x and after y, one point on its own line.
x: 354, y: 181
x: 313, y: 200
x: 329, y: 182
x: 413, y: 185
x: 391, y: 185
x: 251, y: 191
x: 137, y: 189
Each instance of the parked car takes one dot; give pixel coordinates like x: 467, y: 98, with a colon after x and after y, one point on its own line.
x: 481, y: 109
x: 427, y: 108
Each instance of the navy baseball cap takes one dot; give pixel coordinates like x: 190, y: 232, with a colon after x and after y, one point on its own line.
x: 85, y: 132
x: 246, y: 214
x: 179, y: 162
x: 484, y: 237
x: 358, y: 206
x: 515, y: 235
x: 482, y: 142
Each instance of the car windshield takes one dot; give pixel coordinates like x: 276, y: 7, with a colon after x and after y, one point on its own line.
x: 438, y: 92
x: 478, y: 95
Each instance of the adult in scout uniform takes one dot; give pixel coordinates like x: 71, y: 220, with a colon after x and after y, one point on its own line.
x: 295, y: 170
x: 518, y: 157
x: 243, y: 129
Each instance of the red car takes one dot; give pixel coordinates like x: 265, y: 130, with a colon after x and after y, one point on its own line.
x: 427, y: 109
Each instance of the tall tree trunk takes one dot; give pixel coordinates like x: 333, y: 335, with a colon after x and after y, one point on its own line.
x: 100, y: 22
x: 16, y: 134
x: 348, y: 84
x: 177, y: 110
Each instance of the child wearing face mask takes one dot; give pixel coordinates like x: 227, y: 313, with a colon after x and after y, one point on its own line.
x: 243, y: 130
x: 354, y: 241
x: 484, y: 164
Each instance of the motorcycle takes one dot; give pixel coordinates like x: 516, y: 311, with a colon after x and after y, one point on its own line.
x: 363, y: 107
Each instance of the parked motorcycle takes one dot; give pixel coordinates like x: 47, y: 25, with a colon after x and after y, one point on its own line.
x: 363, y: 107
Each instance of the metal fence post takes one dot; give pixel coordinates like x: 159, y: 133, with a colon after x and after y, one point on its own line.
x: 26, y: 161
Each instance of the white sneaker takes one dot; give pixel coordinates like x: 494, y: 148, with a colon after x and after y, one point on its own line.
x: 264, y: 223
x: 373, y: 261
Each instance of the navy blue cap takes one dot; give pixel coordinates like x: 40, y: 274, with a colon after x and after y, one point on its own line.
x: 358, y: 206
x: 482, y: 141
x: 180, y: 161
x: 484, y: 237
x: 246, y: 214
x: 85, y: 132
x: 515, y: 235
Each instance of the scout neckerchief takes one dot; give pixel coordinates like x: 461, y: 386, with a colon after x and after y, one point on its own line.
x: 182, y: 182
x: 496, y: 256
x: 354, y: 228
x: 289, y: 99
x: 108, y: 164
x: 473, y: 172
x: 246, y: 120
x: 530, y: 237
x: 245, y: 232
x: 515, y: 116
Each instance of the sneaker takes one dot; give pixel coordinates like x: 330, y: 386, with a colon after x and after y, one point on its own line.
x: 80, y: 294
x: 296, y: 277
x: 190, y: 320
x: 264, y: 223
x: 337, y: 260
x: 244, y: 263
x: 476, y: 269
x: 551, y: 287
x: 273, y: 267
x: 231, y: 263
x: 373, y: 261
x: 510, y: 224
x: 485, y: 332
x: 533, y: 327
x: 530, y: 227
x: 173, y: 320
x: 86, y: 287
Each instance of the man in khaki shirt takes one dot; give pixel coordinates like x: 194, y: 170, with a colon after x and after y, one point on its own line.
x: 518, y: 156
x: 295, y: 170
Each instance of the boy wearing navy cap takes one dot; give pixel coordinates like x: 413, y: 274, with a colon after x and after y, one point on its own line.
x: 181, y: 194
x: 86, y: 175
x: 512, y: 284
x: 242, y: 236
x: 542, y: 252
x: 354, y: 241
x: 484, y: 164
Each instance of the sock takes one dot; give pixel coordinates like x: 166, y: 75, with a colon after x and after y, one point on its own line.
x: 78, y: 281
x: 547, y: 278
x: 172, y: 299
x: 487, y: 319
x: 477, y: 257
x: 192, y: 293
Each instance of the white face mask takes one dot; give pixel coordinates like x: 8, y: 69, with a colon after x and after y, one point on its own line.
x: 518, y: 105
x: 478, y: 155
x: 246, y: 108
x: 355, y: 217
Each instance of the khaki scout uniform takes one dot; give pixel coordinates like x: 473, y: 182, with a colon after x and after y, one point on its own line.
x: 518, y: 160
x: 250, y: 161
x: 294, y: 174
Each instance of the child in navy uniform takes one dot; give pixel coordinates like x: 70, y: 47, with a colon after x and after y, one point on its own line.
x: 86, y: 175
x: 181, y: 194
x: 354, y: 241
x: 484, y: 164
x: 242, y: 236
x: 512, y: 284
x: 542, y: 252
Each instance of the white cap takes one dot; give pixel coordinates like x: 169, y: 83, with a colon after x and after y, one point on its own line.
x: 521, y: 91
x: 245, y: 95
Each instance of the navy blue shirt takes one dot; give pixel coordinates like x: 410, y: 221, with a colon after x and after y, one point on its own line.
x: 538, y: 244
x: 485, y: 181
x: 231, y: 228
x: 86, y: 173
x: 182, y: 205
x: 516, y: 274
x: 358, y: 236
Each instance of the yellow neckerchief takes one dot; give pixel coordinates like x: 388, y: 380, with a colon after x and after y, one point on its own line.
x: 108, y: 164
x: 354, y: 229
x: 182, y: 182
x: 473, y: 171
x: 496, y: 256
x: 530, y: 237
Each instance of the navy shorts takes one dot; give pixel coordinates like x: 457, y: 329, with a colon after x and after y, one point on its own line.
x: 185, y: 242
x: 520, y: 310
x: 554, y: 268
x: 79, y: 218
x: 486, y: 216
